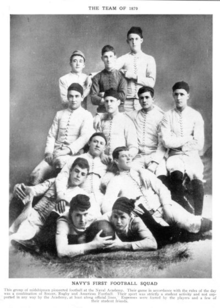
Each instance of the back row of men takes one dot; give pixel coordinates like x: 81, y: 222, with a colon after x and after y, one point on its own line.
x: 135, y: 140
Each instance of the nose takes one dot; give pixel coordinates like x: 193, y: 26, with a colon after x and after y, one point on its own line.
x: 82, y: 220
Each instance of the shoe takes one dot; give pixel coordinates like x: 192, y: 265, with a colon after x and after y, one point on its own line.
x: 206, y: 225
x: 28, y: 244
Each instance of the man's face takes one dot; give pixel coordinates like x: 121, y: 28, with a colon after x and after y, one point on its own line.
x: 97, y: 146
x: 180, y: 97
x: 120, y: 220
x: 80, y: 219
x: 77, y: 176
x: 111, y: 104
x: 74, y: 99
x: 109, y: 60
x: 146, y: 100
x: 77, y: 64
x: 124, y: 161
x: 134, y: 41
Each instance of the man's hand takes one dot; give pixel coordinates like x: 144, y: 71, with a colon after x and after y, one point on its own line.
x: 130, y: 75
x: 23, y: 192
x: 152, y: 166
x: 48, y: 157
x: 59, y: 152
x: 97, y: 123
x: 60, y: 206
x: 189, y: 146
x: 106, y: 159
x: 101, y: 242
x: 116, y: 244
x: 101, y: 94
x: 88, y: 82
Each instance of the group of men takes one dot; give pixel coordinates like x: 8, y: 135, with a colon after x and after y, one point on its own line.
x: 115, y: 182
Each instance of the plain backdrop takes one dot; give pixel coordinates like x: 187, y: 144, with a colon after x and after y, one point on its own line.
x: 40, y: 47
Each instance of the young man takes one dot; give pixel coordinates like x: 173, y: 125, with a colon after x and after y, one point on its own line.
x: 77, y: 64
x: 34, y: 218
x: 147, y: 123
x: 107, y: 79
x: 132, y: 233
x: 57, y: 190
x: 70, y: 131
x: 117, y: 127
x: 183, y: 134
x: 138, y: 68
x: 97, y: 170
x: 144, y: 186
x: 70, y: 240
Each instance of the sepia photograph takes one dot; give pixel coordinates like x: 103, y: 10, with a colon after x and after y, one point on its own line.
x: 110, y: 145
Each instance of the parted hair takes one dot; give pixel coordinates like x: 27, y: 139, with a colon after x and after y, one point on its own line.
x: 107, y: 48
x: 81, y: 162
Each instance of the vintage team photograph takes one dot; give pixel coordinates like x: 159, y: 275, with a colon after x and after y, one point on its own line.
x: 110, y: 146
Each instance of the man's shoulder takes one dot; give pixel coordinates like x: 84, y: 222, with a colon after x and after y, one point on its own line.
x: 85, y: 112
x: 146, y: 56
x: 60, y: 113
x: 126, y: 117
x: 193, y: 111
x: 158, y: 109
x: 72, y: 76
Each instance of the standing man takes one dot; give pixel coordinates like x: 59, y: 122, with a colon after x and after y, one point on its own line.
x: 70, y: 131
x: 77, y: 64
x: 183, y: 134
x: 117, y: 127
x: 138, y: 68
x: 107, y: 79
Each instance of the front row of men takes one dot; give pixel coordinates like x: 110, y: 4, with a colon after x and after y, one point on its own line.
x: 166, y: 145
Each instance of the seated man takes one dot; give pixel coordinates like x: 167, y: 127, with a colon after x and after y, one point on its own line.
x: 92, y: 184
x: 97, y: 170
x: 147, y: 123
x: 132, y: 233
x: 107, y: 79
x: 151, y: 193
x: 138, y: 68
x: 77, y: 64
x: 117, y: 127
x: 183, y: 134
x: 34, y: 218
x: 68, y: 134
x: 70, y: 234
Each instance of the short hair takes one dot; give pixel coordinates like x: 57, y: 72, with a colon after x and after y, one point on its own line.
x: 98, y: 134
x: 117, y: 150
x: 181, y: 85
x: 75, y: 87
x: 80, y: 162
x: 107, y: 48
x: 79, y: 202
x: 135, y: 30
x: 146, y: 89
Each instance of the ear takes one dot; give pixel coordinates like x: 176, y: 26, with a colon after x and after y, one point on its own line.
x: 142, y: 40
